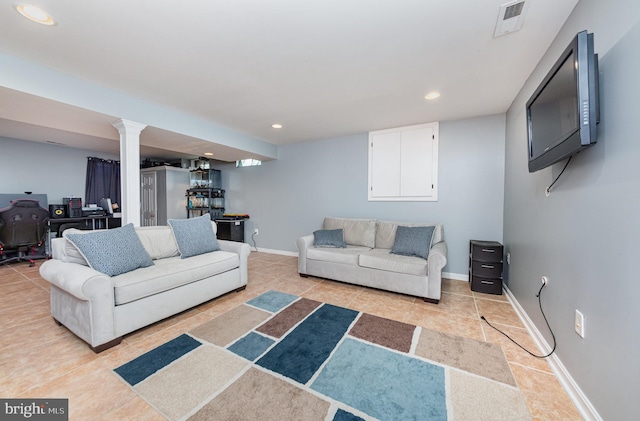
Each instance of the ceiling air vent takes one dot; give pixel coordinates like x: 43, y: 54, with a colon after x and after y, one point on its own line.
x: 510, y: 17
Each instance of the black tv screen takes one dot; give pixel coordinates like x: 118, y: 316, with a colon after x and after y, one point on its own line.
x: 562, y: 113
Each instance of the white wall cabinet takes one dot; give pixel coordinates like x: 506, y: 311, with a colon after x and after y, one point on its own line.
x: 403, y: 163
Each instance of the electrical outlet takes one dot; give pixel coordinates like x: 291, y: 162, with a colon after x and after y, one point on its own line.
x: 508, y: 258
x: 256, y: 232
x: 579, y: 324
x: 545, y: 280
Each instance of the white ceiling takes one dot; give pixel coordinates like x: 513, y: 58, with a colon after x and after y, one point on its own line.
x: 320, y: 68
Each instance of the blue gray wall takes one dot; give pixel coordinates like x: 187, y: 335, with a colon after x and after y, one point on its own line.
x: 57, y: 171
x: 584, y: 235
x: 289, y: 197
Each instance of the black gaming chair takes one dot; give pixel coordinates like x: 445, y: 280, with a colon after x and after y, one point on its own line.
x: 23, y: 230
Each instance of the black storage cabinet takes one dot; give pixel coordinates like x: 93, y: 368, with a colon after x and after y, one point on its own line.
x: 485, y: 266
x: 230, y: 229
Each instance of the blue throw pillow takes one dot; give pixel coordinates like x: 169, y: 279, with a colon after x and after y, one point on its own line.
x: 113, y: 251
x: 194, y: 235
x: 413, y: 241
x: 329, y: 238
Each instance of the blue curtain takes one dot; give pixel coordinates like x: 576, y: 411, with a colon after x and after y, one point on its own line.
x: 103, y: 181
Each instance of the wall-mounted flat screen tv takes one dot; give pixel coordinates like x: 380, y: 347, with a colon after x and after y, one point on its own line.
x: 563, y: 112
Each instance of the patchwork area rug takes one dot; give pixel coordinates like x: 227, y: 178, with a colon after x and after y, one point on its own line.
x: 283, y: 357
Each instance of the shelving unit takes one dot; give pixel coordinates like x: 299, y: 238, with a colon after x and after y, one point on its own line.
x: 205, y: 193
x: 202, y: 178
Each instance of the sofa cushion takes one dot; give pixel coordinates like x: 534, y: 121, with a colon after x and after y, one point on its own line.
x: 329, y: 238
x: 194, y: 236
x: 386, y: 232
x: 158, y: 241
x: 382, y: 259
x: 171, y: 273
x: 413, y: 241
x: 348, y: 255
x: 357, y: 232
x: 113, y: 251
x: 69, y: 252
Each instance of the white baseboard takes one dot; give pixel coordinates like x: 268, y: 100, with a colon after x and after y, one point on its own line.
x: 456, y: 276
x: 581, y: 401
x: 273, y: 251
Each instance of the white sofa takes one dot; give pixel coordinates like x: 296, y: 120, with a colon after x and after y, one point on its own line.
x: 367, y: 259
x: 100, y: 309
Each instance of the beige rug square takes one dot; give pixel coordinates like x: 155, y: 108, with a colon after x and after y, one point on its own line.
x: 182, y: 385
x: 260, y: 396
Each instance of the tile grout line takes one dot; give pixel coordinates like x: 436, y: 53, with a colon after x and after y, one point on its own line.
x: 484, y: 334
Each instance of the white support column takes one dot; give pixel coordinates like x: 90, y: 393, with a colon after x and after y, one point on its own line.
x: 130, y: 169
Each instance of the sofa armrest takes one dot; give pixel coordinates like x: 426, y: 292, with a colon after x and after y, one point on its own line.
x: 436, y: 262
x: 438, y: 253
x: 303, y: 244
x: 82, y: 299
x: 243, y: 250
x: 80, y: 281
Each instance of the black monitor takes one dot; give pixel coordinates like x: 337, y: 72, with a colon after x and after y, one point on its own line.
x: 563, y: 112
x: 105, y: 204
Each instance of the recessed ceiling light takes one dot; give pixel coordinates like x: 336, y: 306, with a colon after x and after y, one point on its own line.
x: 432, y: 95
x: 208, y: 153
x: 276, y: 126
x: 35, y: 14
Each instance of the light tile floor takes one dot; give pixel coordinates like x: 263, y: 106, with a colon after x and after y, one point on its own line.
x: 39, y: 359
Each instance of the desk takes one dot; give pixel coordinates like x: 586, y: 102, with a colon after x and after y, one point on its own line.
x: 57, y: 225
x: 88, y: 222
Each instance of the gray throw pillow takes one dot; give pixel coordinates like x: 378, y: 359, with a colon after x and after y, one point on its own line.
x: 413, y: 241
x: 329, y: 238
x: 194, y: 236
x: 113, y: 251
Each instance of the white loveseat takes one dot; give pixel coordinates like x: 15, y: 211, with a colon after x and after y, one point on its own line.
x: 367, y: 259
x: 100, y: 309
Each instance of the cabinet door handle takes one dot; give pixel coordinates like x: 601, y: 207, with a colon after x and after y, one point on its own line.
x: 489, y: 250
x: 488, y: 266
x: 486, y: 282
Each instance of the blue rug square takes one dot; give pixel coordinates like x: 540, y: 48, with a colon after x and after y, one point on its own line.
x: 251, y: 346
x: 145, y: 365
x: 273, y: 301
x: 345, y: 416
x: 301, y: 353
x: 383, y: 383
